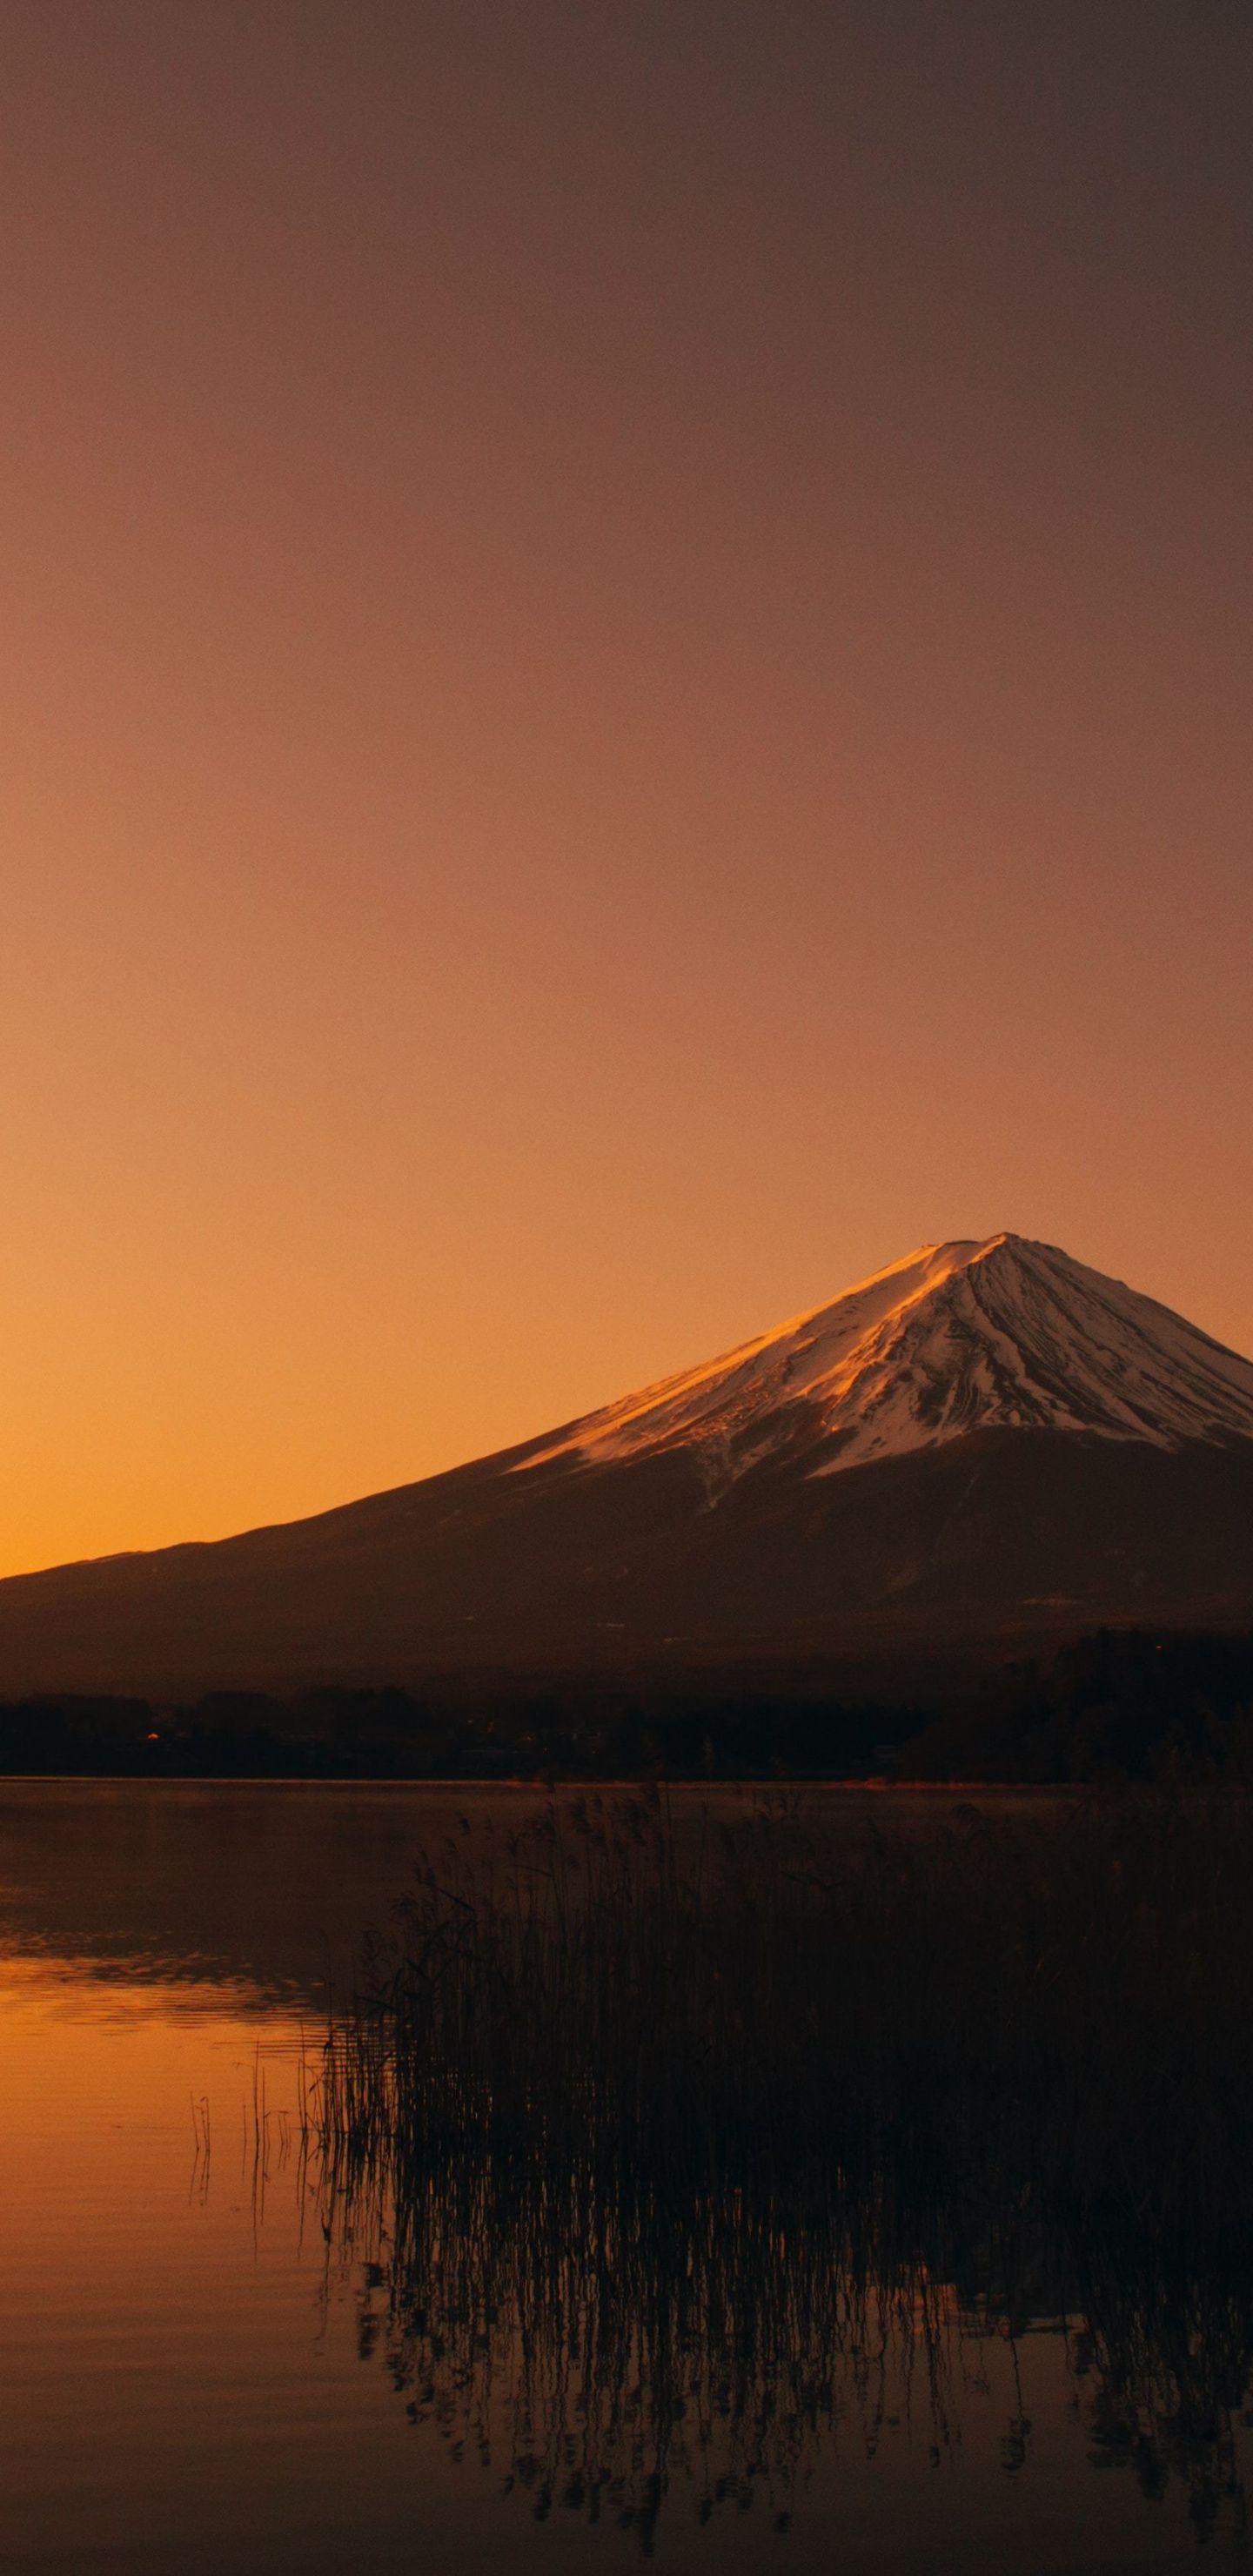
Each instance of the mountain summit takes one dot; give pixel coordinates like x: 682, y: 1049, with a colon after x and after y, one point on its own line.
x: 956, y: 1338
x: 985, y: 1445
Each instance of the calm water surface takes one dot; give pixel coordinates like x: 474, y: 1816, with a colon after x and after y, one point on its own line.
x: 195, y: 2369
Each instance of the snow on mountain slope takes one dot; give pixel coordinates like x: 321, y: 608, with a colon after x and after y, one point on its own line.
x: 957, y: 1337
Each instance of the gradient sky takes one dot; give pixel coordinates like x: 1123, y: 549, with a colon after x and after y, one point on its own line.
x: 625, y: 684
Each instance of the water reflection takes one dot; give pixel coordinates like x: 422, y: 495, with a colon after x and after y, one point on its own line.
x: 609, y: 2353
x: 266, y: 1883
x: 721, y: 2231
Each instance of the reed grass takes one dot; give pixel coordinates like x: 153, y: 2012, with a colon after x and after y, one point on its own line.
x: 713, y: 2112
x: 1074, y: 1987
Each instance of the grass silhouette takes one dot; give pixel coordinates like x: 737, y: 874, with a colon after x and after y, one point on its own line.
x: 675, y: 2140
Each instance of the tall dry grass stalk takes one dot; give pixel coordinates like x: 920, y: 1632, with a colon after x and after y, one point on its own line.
x: 712, y: 2112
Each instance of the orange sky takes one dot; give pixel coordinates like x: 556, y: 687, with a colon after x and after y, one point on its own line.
x: 625, y: 690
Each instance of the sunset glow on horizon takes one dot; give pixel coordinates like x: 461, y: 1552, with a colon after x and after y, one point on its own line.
x: 626, y: 694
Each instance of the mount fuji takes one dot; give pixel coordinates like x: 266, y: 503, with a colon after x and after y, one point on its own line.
x: 956, y: 1338
x: 985, y: 1444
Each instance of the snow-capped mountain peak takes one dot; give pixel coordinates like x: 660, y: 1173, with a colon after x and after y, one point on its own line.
x: 955, y: 1338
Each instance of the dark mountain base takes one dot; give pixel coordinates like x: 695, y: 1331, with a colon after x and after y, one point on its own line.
x: 499, y: 1576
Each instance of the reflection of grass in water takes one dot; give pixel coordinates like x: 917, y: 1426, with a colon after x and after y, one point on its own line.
x: 670, y: 2137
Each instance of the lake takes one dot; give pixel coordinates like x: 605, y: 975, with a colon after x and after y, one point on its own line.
x: 208, y: 2360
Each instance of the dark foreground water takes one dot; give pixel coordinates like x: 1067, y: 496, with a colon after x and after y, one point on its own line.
x: 204, y: 2364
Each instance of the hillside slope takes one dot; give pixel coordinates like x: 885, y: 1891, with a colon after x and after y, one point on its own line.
x: 986, y: 1443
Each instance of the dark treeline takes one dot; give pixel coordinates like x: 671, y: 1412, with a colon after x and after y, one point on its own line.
x: 1129, y: 1706
x: 572, y: 1733
x: 1124, y: 1705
